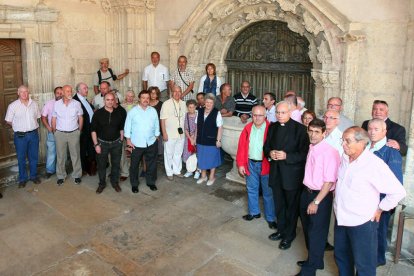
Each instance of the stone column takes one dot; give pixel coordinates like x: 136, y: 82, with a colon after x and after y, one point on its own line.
x: 326, y: 86
x: 350, y: 79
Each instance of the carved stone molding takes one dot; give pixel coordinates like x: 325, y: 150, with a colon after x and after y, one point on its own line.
x: 41, y: 13
x: 288, y: 6
x: 324, y: 56
x: 326, y: 79
x: 353, y: 36
x: 108, y: 5
x: 311, y: 24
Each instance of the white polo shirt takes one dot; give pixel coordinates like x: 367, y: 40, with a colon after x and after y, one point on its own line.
x: 156, y: 76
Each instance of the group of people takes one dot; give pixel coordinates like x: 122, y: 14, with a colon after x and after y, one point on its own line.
x: 308, y: 167
x: 297, y: 160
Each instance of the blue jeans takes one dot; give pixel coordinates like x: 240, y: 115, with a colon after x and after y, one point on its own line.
x: 27, y: 146
x: 51, y: 153
x: 382, y: 236
x: 252, y: 184
x: 356, y: 248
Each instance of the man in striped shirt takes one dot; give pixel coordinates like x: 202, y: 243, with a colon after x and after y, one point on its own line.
x: 23, y: 115
x: 244, y: 102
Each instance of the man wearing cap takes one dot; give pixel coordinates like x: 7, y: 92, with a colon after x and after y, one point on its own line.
x: 106, y: 74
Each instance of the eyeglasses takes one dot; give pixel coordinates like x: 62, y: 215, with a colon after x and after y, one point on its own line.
x: 333, y: 105
x: 348, y: 141
x: 282, y: 112
x: 258, y: 115
x: 329, y: 117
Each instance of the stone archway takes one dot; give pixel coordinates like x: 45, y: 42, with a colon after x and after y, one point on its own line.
x: 333, y: 49
x: 272, y: 58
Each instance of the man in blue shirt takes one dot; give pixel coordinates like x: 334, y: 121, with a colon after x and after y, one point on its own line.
x: 142, y: 129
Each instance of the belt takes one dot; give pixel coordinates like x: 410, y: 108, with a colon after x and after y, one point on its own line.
x: 67, y: 131
x: 255, y: 160
x: 25, y: 132
x: 109, y: 142
x: 312, y: 191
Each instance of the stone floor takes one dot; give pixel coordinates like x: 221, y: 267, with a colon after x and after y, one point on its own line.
x: 181, y: 229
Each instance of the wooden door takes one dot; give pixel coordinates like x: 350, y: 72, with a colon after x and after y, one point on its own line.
x: 273, y: 59
x: 10, y: 80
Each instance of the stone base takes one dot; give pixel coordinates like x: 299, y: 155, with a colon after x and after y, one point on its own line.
x: 234, y: 175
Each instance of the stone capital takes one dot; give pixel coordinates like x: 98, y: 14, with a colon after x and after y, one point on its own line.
x: 352, y: 36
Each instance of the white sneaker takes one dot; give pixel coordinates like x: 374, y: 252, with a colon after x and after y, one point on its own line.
x: 210, y: 182
x: 188, y: 174
x: 197, y: 175
x: 201, y: 180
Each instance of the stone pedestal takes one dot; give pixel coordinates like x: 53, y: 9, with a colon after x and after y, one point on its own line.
x: 232, y: 127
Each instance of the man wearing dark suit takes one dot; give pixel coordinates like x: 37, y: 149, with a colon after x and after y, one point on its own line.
x: 395, y: 132
x: 287, y: 146
x: 87, y: 151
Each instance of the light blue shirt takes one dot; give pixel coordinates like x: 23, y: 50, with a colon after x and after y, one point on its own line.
x: 378, y: 145
x: 142, y: 126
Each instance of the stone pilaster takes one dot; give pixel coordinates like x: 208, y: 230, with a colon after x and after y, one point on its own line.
x: 326, y: 86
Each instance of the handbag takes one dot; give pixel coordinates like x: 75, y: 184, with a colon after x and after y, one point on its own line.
x: 190, y: 147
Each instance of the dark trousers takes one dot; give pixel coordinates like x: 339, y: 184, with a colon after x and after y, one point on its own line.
x: 150, y: 154
x: 27, y: 146
x: 356, y: 248
x: 287, y: 210
x: 382, y: 236
x: 315, y: 229
x: 87, y: 151
x: 115, y: 150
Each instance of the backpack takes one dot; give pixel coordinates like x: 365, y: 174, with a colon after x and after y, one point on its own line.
x: 110, y: 72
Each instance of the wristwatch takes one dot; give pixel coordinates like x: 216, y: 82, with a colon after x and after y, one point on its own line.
x: 316, y: 202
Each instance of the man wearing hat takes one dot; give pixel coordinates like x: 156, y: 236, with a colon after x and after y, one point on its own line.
x: 255, y: 167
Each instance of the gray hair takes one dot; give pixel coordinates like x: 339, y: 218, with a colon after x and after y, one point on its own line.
x: 379, y: 121
x: 210, y: 96
x: 289, y: 104
x: 360, y: 134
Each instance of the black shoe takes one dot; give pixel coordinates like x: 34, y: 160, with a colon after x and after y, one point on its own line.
x: 22, y: 184
x: 135, y: 190
x: 381, y: 264
x: 328, y: 247
x: 78, y: 181
x: 300, y: 263
x: 153, y: 187
x: 249, y: 217
x: 117, y: 188
x: 36, y: 180
x: 48, y: 175
x: 275, y: 236
x: 272, y: 224
x: 285, y: 244
x: 100, y: 189
x: 60, y: 182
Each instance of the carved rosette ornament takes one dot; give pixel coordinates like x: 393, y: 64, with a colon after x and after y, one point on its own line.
x: 106, y: 5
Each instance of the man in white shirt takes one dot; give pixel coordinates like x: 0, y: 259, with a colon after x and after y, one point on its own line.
x: 156, y: 74
x: 22, y: 115
x: 333, y: 135
x: 172, y: 125
x: 336, y: 104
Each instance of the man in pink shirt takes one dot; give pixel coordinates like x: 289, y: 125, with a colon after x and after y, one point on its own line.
x: 362, y: 176
x: 321, y: 172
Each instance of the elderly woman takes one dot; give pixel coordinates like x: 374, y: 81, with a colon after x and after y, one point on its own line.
x: 129, y: 102
x: 209, y: 132
x: 307, y: 117
x: 210, y: 83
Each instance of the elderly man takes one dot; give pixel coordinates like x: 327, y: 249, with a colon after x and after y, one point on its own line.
x: 321, y: 172
x: 142, y: 129
x: 377, y: 130
x: 244, y: 102
x: 362, y: 177
x: 22, y: 115
x: 107, y: 131
x: 301, y: 105
x: 156, y: 74
x: 50, y: 140
x: 333, y: 135
x: 184, y: 78
x: 336, y: 104
x: 106, y: 74
x: 225, y: 102
x: 67, y: 123
x: 172, y: 124
x: 395, y: 132
x: 254, y: 166
x: 269, y: 100
x: 287, y: 145
x: 105, y: 87
x: 87, y: 151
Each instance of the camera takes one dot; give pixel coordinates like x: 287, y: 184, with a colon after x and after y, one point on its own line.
x: 180, y: 130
